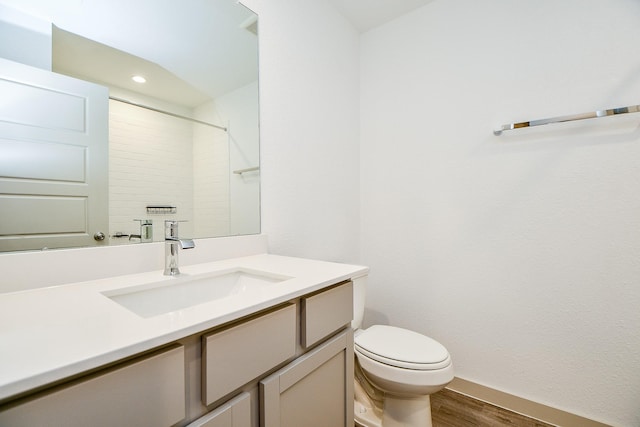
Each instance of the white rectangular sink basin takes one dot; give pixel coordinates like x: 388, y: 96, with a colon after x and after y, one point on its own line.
x: 184, y: 291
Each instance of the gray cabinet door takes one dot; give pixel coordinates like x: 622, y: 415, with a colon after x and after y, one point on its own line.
x: 234, y: 413
x: 315, y: 390
x: 53, y: 159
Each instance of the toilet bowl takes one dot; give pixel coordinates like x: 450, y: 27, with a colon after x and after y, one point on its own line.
x: 396, y: 371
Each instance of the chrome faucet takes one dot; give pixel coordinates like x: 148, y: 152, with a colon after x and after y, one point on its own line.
x: 171, y: 246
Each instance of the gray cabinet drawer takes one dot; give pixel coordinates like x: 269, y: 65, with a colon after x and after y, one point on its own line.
x: 148, y: 392
x: 237, y: 355
x: 326, y: 312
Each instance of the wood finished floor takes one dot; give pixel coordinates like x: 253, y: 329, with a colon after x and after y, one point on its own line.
x: 451, y: 409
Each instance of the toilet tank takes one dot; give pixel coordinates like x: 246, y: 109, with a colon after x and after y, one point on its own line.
x: 359, y: 293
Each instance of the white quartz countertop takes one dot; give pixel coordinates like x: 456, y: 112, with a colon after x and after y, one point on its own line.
x: 52, y: 333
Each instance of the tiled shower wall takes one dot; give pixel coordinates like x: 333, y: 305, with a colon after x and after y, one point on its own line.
x: 151, y: 155
x: 211, y: 175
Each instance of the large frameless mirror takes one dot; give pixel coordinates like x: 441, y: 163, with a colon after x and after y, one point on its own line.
x: 183, y: 140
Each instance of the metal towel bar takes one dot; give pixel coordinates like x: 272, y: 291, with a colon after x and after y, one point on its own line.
x: 571, y: 118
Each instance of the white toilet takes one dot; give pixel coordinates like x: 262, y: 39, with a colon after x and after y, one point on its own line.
x: 396, y: 372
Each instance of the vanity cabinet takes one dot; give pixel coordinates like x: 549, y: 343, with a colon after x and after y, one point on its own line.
x: 290, y: 365
x: 146, y: 392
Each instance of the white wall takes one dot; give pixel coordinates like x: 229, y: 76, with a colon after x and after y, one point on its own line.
x: 520, y: 253
x: 308, y: 129
x: 240, y: 110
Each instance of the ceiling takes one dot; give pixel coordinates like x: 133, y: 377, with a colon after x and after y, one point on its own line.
x: 86, y: 59
x: 210, y: 44
x: 161, y: 40
x: 367, y: 14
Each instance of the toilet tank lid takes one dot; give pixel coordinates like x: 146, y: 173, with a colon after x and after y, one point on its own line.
x: 402, y: 348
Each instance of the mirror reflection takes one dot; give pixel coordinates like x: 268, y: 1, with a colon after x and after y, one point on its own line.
x: 183, y: 144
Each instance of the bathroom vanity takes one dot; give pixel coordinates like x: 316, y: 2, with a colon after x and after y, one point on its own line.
x: 273, y: 347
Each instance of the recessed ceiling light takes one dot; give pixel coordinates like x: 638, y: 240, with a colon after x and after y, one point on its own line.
x: 139, y: 79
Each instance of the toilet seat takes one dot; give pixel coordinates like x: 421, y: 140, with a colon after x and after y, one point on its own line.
x: 402, y: 348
